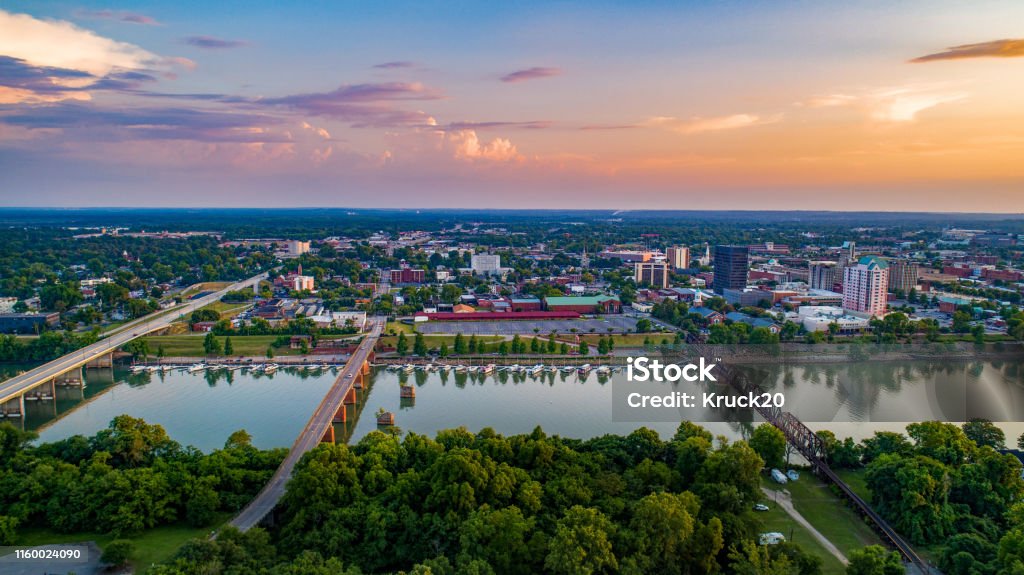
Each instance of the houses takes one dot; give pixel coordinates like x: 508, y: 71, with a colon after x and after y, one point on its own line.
x: 753, y: 322
x: 710, y: 316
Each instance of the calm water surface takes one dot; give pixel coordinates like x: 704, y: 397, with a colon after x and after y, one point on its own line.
x: 203, y: 409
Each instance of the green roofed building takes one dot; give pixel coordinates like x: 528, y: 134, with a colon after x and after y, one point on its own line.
x: 584, y: 304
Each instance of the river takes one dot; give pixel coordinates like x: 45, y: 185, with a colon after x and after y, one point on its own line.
x: 203, y: 409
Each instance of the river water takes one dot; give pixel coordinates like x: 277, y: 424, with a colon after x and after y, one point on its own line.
x: 203, y: 409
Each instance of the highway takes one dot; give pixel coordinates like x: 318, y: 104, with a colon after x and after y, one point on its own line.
x: 311, y: 435
x: 19, y: 384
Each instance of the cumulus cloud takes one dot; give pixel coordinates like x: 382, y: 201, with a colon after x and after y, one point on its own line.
x: 61, y: 44
x: 467, y: 146
x: 892, y: 104
x: 994, y: 49
x: 699, y: 124
x: 119, y: 16
x: 530, y: 74
x: 212, y: 43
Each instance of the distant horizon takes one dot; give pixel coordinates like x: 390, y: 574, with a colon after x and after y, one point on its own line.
x: 611, y: 211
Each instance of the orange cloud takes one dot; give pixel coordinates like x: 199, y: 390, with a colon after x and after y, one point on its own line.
x: 993, y: 49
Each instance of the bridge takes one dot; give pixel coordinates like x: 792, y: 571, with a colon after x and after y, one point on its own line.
x: 812, y: 448
x: 41, y: 382
x: 319, y: 429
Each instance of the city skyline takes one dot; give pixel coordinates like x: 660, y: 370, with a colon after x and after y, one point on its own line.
x: 665, y: 106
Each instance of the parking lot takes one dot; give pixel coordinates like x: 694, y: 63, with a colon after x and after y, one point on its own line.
x: 617, y: 323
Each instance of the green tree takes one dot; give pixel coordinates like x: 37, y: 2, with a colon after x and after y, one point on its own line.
x: 229, y: 349
x: 517, y: 345
x: 602, y: 346
x: 983, y: 432
x: 117, y: 552
x: 443, y: 351
x: 581, y: 544
x: 503, y: 348
x: 583, y: 348
x: 402, y: 346
x: 474, y: 345
x: 211, y: 345
x: 270, y: 352
x: 419, y: 345
x: 770, y: 443
x: 8, y: 530
x: 564, y: 349
x: 874, y: 560
x: 460, y: 344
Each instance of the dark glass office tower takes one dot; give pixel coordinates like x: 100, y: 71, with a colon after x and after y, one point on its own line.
x: 731, y: 264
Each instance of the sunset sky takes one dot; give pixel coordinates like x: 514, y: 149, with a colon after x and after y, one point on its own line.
x: 698, y: 105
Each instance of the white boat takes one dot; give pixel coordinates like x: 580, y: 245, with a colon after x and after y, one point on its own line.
x: 585, y: 368
x: 460, y: 369
x: 488, y: 368
x: 428, y: 367
x: 408, y: 368
x: 604, y: 370
x: 568, y: 369
x: 552, y: 368
x: 270, y: 368
x: 166, y: 368
x: 536, y: 369
x: 137, y: 368
x: 196, y: 367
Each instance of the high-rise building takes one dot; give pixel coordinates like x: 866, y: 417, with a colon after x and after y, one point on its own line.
x: 864, y: 287
x: 822, y: 275
x: 297, y: 248
x: 731, y: 265
x: 678, y: 257
x: 485, y: 264
x: 654, y: 273
x: 902, y: 275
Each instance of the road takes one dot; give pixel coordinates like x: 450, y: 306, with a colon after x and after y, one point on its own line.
x: 786, y: 503
x: 158, y: 320
x: 311, y: 434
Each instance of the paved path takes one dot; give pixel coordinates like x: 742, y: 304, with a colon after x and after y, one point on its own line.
x: 19, y: 384
x: 786, y: 503
x: 311, y: 435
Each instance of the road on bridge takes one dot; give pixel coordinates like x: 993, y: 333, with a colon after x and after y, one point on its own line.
x: 311, y: 435
x: 24, y: 382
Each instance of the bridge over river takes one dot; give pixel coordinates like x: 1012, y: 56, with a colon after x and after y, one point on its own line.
x: 319, y: 428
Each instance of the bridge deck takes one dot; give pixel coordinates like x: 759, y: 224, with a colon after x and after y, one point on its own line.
x: 310, y: 436
x: 22, y: 383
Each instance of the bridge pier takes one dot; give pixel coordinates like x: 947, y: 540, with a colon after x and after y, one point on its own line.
x: 328, y: 435
x: 341, y: 415
x: 105, y: 360
x: 350, y: 397
x: 10, y: 409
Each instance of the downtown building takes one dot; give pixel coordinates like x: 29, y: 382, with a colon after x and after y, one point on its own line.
x: 653, y: 273
x: 678, y: 257
x: 822, y: 275
x: 902, y: 275
x: 865, y: 286
x: 731, y: 265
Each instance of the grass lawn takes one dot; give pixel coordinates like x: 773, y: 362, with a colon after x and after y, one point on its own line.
x: 192, y: 345
x: 855, y: 479
x: 206, y: 286
x: 828, y: 513
x: 151, y: 546
x: 398, y: 327
x: 776, y: 519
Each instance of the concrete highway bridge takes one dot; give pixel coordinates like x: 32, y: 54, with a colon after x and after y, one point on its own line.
x: 41, y: 383
x: 319, y: 429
